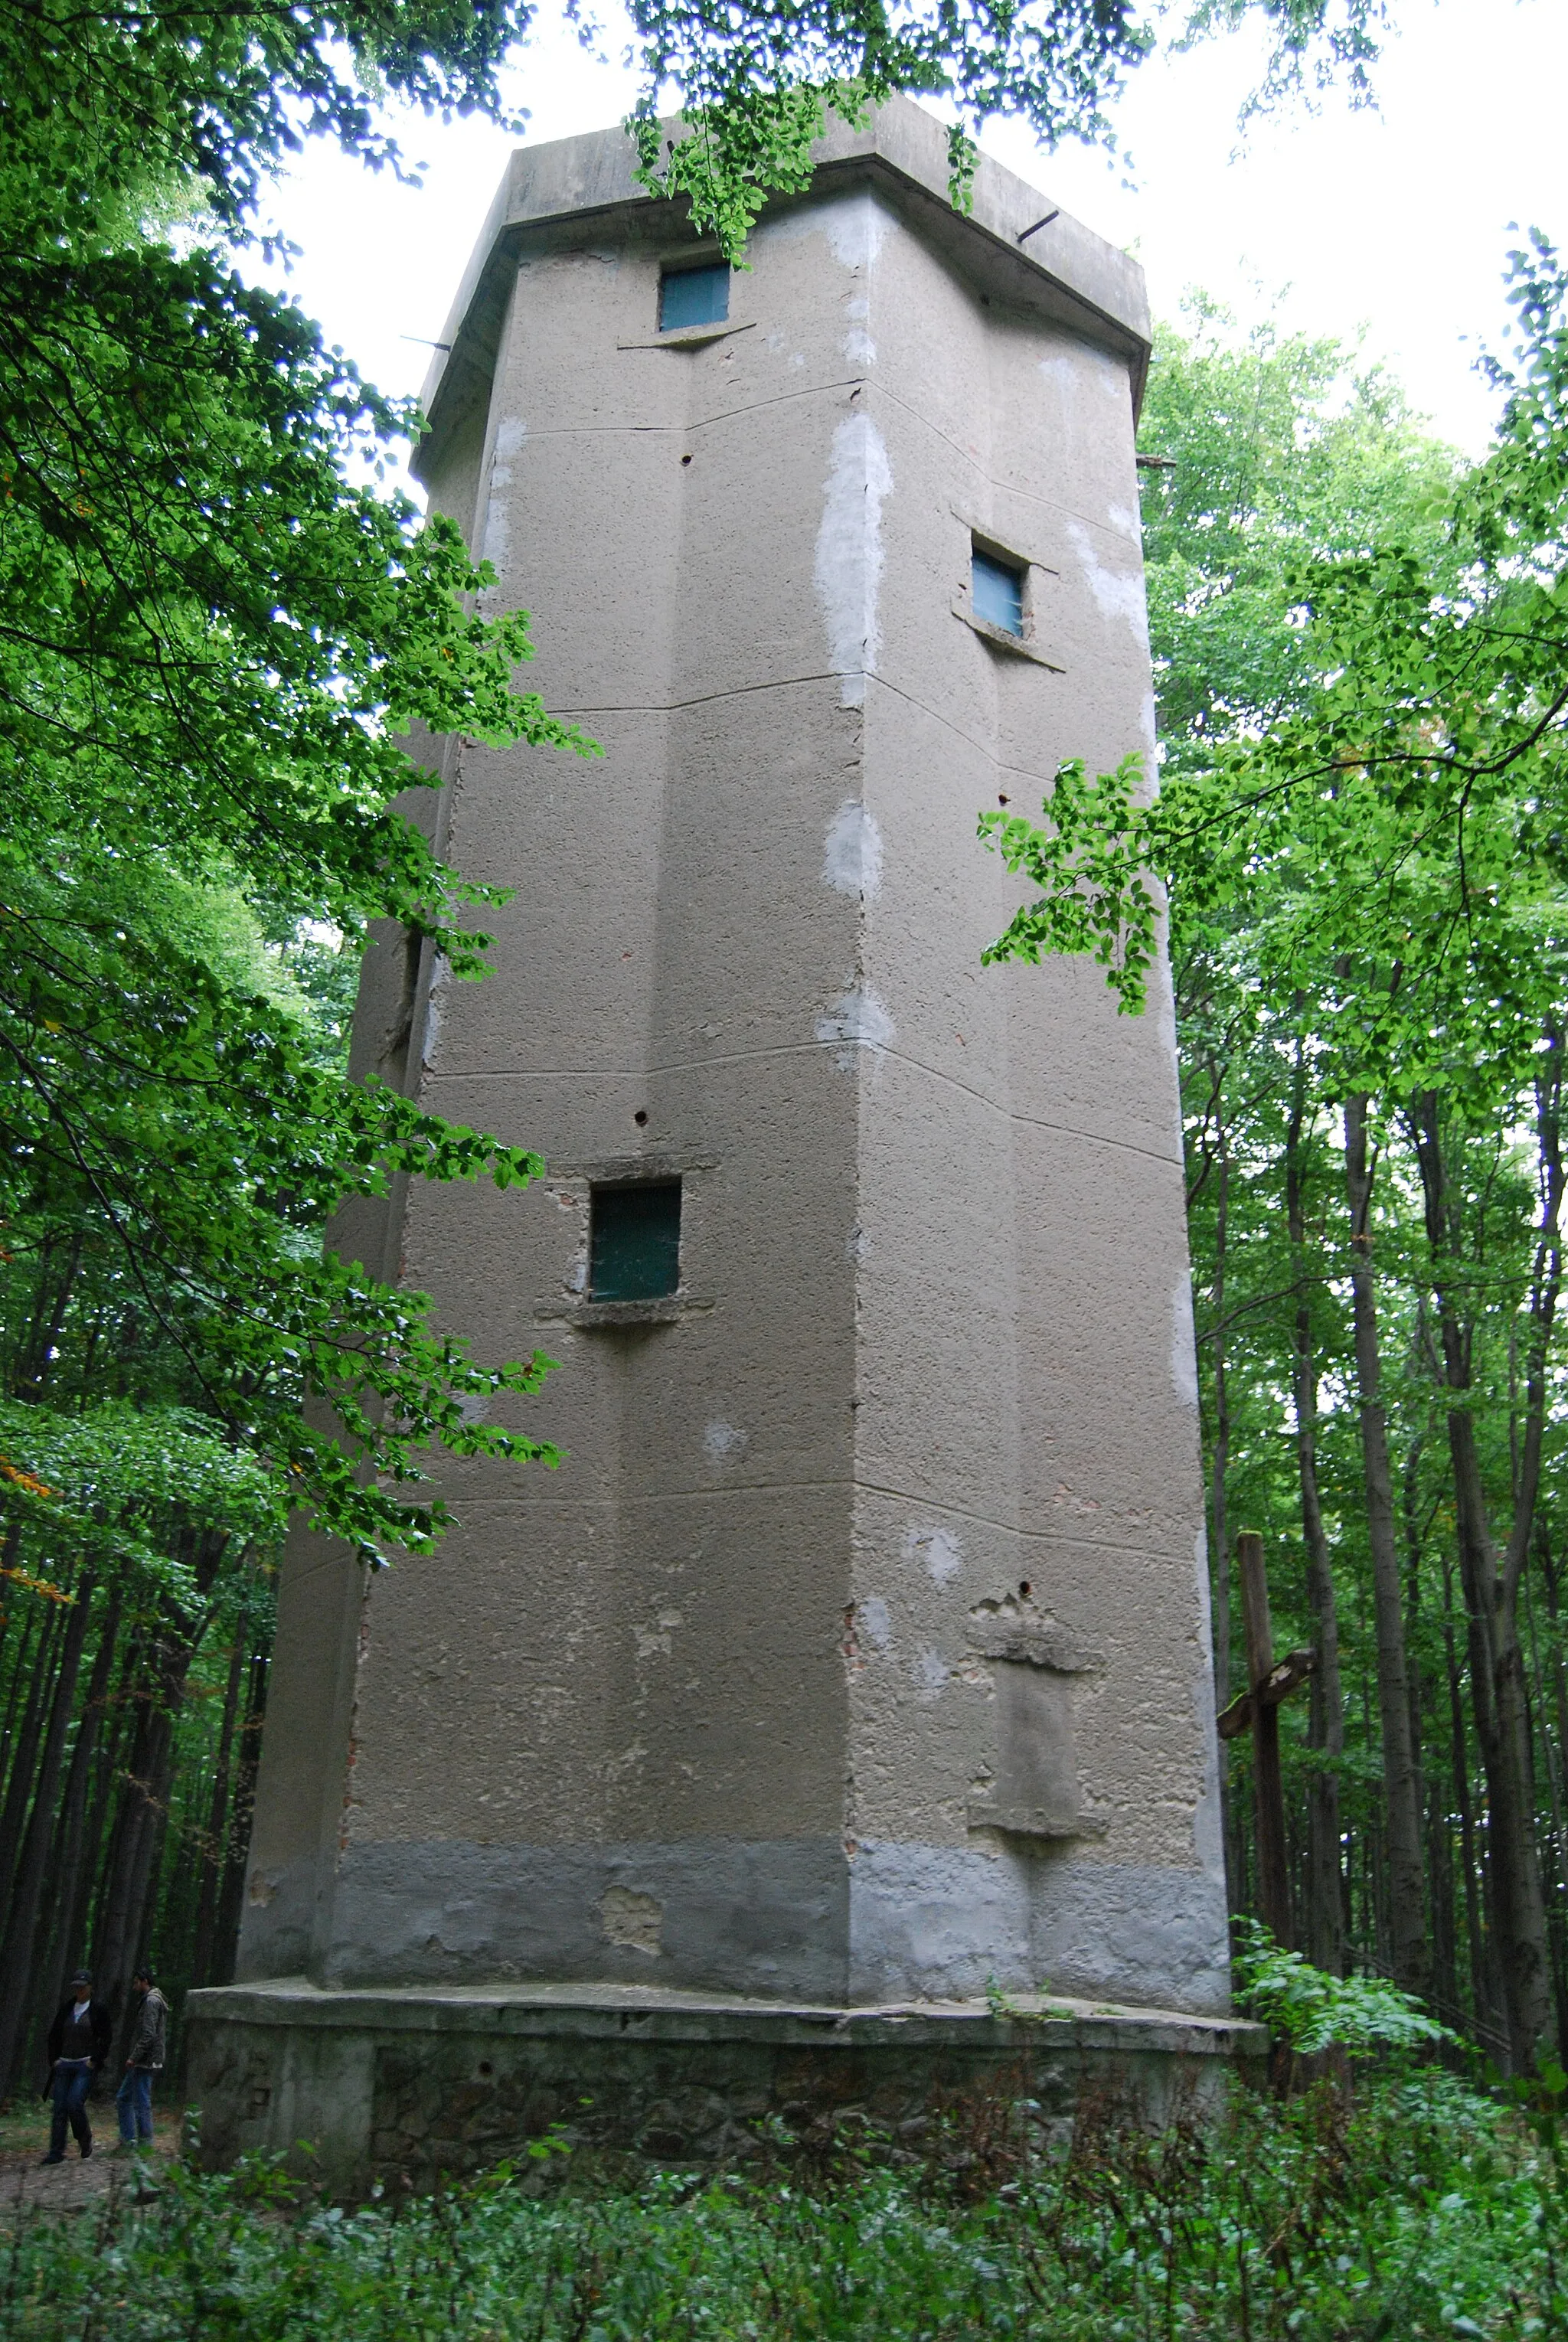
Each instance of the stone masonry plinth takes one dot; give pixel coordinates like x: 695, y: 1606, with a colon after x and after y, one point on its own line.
x: 417, y: 2083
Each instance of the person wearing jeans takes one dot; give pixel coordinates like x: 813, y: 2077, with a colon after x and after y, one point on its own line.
x: 78, y: 2044
x: 134, y: 2099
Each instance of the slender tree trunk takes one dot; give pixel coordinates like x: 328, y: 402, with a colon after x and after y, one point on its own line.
x: 1219, y: 1522
x: 27, y: 1884
x: 230, y: 1904
x: 25, y: 1753
x: 64, y: 1948
x: 212, y: 1852
x: 1410, y: 1953
x: 1490, y: 1586
x: 1326, y: 1722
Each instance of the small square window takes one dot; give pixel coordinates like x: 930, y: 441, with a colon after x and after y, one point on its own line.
x: 998, y: 593
x: 634, y: 1241
x: 695, y: 296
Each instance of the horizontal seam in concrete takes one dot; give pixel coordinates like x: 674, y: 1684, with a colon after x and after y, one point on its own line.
x: 811, y: 1048
x: 823, y: 390
x: 928, y: 1505
x: 1004, y: 487
x: 585, y: 712
x: 708, y: 422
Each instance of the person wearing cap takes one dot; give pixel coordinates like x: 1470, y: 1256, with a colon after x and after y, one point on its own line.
x: 79, y: 2042
x: 134, y: 2099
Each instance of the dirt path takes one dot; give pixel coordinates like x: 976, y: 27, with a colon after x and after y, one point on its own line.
x: 27, y: 2184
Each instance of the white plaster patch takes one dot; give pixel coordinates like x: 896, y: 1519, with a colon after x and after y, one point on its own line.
x: 849, y: 553
x: 721, y: 1440
x: 858, y: 1019
x: 1208, y: 1837
x: 937, y: 1550
x: 852, y: 857
x: 931, y: 1670
x: 1124, y: 522
x: 854, y: 226
x: 1119, y: 593
x: 859, y: 349
x: 1184, y: 1343
x: 653, y: 1642
x: 635, y: 1922
x: 510, y: 434
x: 875, y: 1622
x: 440, y: 977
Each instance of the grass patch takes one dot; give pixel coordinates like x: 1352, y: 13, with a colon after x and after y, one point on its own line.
x: 1422, y: 2209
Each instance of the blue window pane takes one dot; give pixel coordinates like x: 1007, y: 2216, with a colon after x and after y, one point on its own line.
x: 998, y: 594
x: 634, y: 1241
x: 695, y: 296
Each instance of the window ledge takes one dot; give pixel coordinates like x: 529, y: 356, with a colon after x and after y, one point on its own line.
x: 610, y: 1317
x: 1018, y: 646
x: 688, y: 337
x: 1033, y: 1821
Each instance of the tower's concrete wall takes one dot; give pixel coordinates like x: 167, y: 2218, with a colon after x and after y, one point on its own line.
x: 858, y: 1651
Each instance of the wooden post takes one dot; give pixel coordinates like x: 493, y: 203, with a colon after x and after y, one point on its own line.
x: 1268, y: 1783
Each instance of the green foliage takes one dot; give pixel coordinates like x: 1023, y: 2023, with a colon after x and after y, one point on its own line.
x: 1085, y: 862
x: 126, y: 1487
x: 1421, y: 2213
x: 1402, y: 813
x: 754, y: 77
x: 1315, y: 2011
x: 216, y: 637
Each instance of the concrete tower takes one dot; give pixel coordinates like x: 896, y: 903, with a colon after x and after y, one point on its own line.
x: 858, y: 1653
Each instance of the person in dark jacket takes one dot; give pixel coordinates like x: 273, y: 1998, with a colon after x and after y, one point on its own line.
x: 79, y: 2042
x: 149, y: 2041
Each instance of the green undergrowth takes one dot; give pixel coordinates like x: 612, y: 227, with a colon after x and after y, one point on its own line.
x: 1420, y: 2209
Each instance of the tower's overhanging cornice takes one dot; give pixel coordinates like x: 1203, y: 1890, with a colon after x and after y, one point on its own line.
x: 1062, y: 271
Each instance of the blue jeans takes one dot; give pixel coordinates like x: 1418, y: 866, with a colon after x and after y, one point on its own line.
x: 71, y: 2085
x: 134, y: 2104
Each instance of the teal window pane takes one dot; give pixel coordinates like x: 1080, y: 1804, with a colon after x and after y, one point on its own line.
x: 634, y: 1241
x: 695, y: 296
x: 998, y: 594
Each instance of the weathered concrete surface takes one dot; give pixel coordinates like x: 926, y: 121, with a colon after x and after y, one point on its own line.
x: 859, y: 1649
x: 418, y: 2084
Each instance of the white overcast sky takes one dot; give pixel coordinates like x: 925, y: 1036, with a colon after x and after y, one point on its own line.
x: 1392, y: 225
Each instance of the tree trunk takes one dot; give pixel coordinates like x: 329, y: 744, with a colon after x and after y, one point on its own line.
x: 64, y: 1948
x: 1326, y: 1723
x: 16, y: 1945
x: 25, y: 1753
x: 1410, y: 1954
x: 230, y: 1905
x: 212, y: 1852
x: 1490, y: 1590
x: 1219, y: 1522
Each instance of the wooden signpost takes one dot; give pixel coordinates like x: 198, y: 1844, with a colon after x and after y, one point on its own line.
x: 1259, y: 1706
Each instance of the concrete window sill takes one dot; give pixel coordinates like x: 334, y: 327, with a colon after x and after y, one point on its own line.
x: 688, y: 337
x: 610, y: 1317
x: 1030, y: 1821
x: 1016, y: 646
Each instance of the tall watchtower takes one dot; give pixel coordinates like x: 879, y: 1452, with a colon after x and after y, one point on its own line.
x: 858, y: 1653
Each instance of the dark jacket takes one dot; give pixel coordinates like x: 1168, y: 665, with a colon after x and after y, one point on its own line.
x: 150, y: 2039
x: 98, y: 2018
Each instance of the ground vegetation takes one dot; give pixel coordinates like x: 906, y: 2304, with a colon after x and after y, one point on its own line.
x: 1419, y: 2209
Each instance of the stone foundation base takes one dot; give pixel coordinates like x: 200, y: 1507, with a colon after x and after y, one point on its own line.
x: 417, y: 2083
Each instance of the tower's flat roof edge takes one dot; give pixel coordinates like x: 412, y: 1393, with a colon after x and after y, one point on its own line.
x: 1063, y: 268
